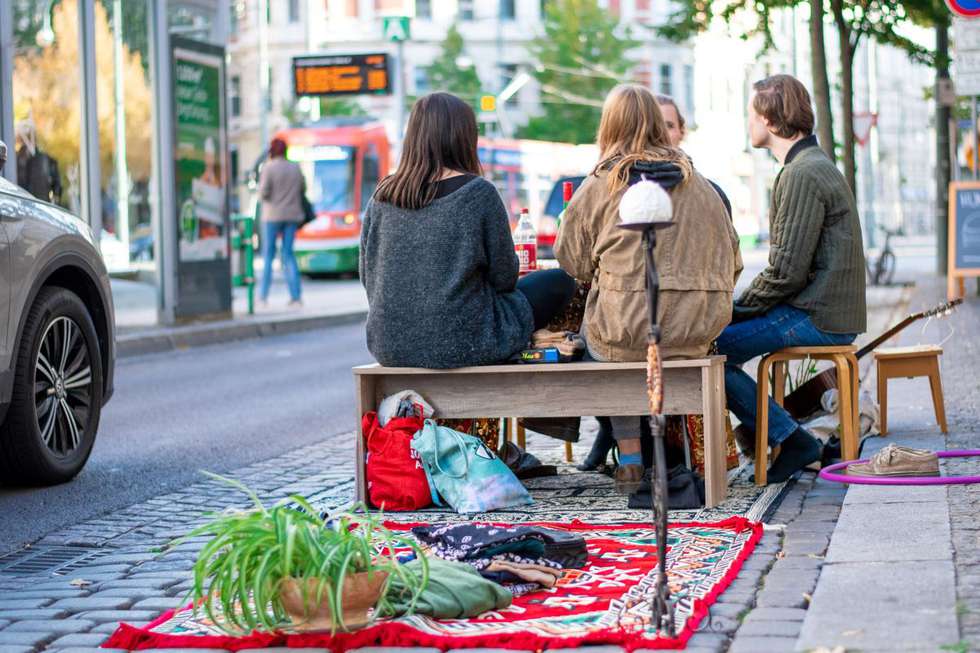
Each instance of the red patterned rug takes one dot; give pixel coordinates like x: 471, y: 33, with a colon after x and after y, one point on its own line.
x: 607, y: 602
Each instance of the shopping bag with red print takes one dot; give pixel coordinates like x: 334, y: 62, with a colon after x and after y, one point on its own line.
x: 395, y: 476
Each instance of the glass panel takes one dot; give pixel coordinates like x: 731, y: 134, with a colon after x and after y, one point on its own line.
x: 125, y: 131
x: 46, y: 89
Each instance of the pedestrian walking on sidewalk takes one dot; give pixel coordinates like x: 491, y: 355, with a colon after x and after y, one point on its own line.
x: 437, y: 257
x: 812, y: 291
x: 281, y: 187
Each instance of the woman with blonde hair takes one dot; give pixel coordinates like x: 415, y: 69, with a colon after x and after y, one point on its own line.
x: 697, y: 257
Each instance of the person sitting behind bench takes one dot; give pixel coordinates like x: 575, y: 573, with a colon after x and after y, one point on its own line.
x: 697, y: 258
x: 812, y: 291
x: 437, y: 257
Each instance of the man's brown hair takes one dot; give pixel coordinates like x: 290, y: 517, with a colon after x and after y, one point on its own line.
x: 784, y: 101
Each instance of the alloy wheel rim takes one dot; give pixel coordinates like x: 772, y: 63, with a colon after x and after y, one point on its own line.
x: 62, y: 386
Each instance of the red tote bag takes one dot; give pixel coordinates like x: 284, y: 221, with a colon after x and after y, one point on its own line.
x: 396, y: 480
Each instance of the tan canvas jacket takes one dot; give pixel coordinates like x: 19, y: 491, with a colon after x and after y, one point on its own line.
x: 697, y: 258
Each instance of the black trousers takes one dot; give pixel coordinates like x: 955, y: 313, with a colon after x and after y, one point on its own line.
x: 548, y: 292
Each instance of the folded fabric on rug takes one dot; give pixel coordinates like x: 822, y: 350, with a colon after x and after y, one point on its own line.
x: 455, y: 591
x: 470, y: 541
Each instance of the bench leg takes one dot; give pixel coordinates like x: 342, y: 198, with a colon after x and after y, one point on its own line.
x: 715, y: 444
x: 882, y: 398
x: 569, y: 456
x: 364, y: 386
x: 762, y: 422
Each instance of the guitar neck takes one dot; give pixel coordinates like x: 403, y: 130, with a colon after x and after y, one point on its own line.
x: 886, y: 335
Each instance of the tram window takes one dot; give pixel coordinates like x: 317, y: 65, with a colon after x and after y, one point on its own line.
x: 369, y: 175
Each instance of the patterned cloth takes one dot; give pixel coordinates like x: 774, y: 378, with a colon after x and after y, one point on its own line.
x: 485, y: 428
x: 606, y: 602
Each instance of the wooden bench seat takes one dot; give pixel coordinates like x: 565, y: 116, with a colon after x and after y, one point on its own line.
x: 559, y: 390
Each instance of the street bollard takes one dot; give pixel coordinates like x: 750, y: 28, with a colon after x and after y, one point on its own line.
x: 242, y: 256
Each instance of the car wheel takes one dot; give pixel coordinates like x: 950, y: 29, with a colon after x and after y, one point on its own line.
x: 57, y: 396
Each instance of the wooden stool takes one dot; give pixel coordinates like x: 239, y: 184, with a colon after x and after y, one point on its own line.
x: 847, y: 382
x: 910, y: 362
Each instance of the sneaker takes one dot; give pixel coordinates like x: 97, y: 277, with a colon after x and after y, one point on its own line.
x: 296, y: 303
x: 628, y: 478
x: 896, y: 460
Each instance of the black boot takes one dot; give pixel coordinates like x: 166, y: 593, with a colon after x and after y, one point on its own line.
x: 797, y: 451
x: 603, y: 442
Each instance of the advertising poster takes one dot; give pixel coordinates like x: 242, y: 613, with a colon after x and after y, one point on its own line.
x: 202, y: 189
x: 201, y: 178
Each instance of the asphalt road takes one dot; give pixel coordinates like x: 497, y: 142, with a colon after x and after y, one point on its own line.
x: 216, y: 408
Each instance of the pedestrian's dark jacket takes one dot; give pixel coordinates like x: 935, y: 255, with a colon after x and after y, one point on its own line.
x: 38, y: 174
x: 441, y: 281
x: 816, y: 255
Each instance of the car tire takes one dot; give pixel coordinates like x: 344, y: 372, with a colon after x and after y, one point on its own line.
x: 39, y: 444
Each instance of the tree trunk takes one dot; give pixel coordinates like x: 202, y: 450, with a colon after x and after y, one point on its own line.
x: 942, y: 143
x: 847, y: 49
x: 821, y: 85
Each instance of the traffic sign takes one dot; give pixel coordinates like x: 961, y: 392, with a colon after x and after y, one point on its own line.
x: 396, y: 28
x: 966, y: 62
x: 488, y: 103
x: 968, y: 8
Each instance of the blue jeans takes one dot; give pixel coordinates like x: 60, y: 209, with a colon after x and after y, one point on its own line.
x: 270, y: 231
x: 783, y: 326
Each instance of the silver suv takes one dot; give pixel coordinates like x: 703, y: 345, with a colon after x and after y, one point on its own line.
x: 57, y: 340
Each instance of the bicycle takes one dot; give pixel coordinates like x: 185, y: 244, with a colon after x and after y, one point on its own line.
x: 882, y: 272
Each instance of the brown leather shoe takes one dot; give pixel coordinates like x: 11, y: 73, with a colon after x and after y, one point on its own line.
x: 896, y: 460
x: 628, y: 478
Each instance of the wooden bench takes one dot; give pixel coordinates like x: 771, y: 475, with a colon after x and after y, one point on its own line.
x: 559, y: 390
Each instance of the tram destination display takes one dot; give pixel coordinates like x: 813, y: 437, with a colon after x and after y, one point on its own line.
x: 341, y: 74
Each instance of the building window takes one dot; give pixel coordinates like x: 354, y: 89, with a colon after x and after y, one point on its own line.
x: 421, y: 81
x: 294, y: 11
x: 508, y: 73
x: 689, y: 88
x: 544, y: 9
x: 466, y: 9
x: 423, y: 8
x: 666, y: 81
x: 235, y: 96
x: 237, y: 15
x: 507, y: 10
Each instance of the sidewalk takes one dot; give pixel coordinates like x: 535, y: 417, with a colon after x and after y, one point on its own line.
x: 900, y: 573
x: 325, y: 302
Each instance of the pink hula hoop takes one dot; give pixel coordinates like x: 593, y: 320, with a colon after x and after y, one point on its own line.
x: 829, y: 473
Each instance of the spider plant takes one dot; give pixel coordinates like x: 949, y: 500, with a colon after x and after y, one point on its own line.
x: 239, y: 573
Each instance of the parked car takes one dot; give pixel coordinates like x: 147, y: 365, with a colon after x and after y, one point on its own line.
x: 57, y: 350
x: 547, y: 226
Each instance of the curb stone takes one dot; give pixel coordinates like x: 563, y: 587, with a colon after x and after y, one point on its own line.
x: 153, y: 341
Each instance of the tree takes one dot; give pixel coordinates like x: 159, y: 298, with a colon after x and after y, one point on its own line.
x: 47, y: 88
x: 581, y: 56
x: 446, y: 72
x: 855, y: 20
x: 694, y: 16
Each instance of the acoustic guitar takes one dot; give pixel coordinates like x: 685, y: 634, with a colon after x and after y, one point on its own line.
x: 805, y: 400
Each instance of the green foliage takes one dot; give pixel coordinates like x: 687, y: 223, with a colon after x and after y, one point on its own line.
x: 240, y: 570
x: 446, y: 75
x: 581, y: 56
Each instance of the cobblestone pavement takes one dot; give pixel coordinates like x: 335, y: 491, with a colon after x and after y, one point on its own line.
x: 961, y: 386
x: 79, y: 583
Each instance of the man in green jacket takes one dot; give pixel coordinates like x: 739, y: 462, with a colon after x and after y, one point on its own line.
x: 812, y: 290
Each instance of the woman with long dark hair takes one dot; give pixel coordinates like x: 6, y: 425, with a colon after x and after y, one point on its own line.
x: 437, y: 256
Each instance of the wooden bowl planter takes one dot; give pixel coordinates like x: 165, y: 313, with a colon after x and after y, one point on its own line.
x: 360, y: 592
x: 285, y: 567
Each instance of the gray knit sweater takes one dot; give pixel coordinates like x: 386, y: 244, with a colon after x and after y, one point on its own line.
x: 441, y: 282
x: 816, y: 256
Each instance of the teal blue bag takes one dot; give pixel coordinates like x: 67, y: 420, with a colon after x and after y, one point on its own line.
x: 465, y: 473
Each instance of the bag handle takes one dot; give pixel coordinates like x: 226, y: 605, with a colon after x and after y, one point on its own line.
x: 375, y: 429
x: 462, y: 447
